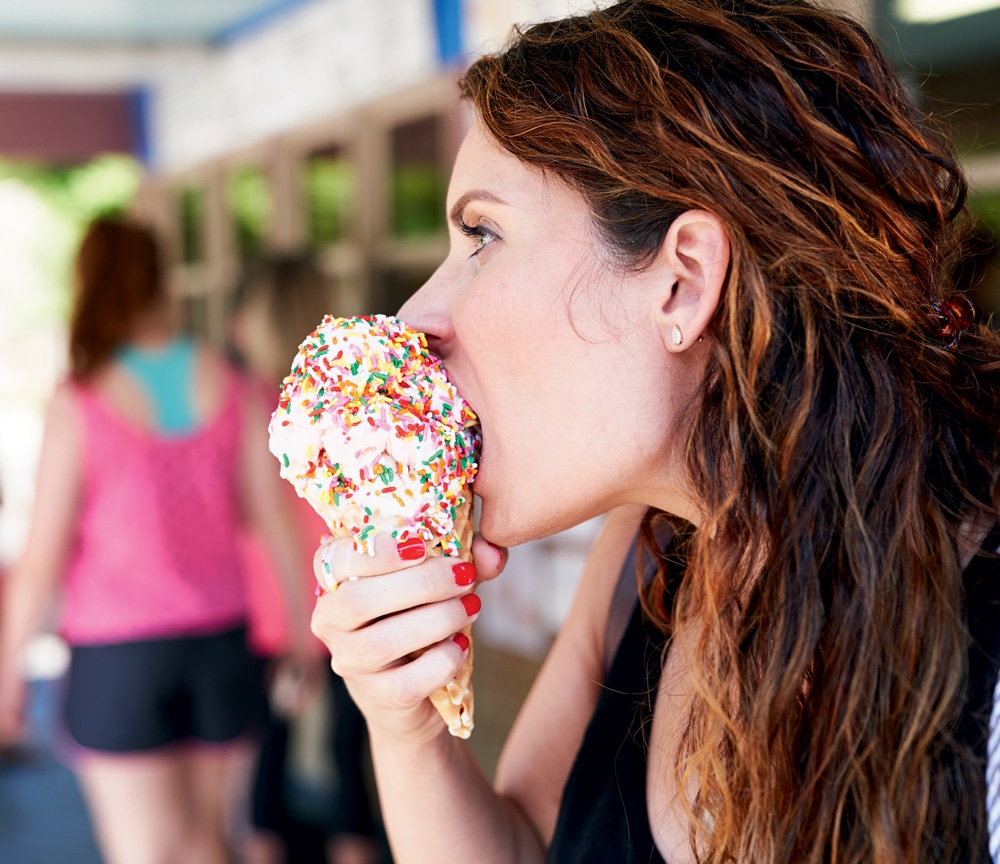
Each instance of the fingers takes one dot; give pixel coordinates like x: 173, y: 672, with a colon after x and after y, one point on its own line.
x: 490, y: 560
x: 407, y: 684
x: 397, y: 600
x: 338, y: 561
x: 357, y: 603
x: 392, y: 623
x: 383, y: 642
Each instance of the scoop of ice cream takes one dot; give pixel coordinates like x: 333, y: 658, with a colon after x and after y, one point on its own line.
x: 372, y: 433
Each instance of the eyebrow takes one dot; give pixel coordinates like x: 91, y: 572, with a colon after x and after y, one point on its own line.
x: 472, y: 195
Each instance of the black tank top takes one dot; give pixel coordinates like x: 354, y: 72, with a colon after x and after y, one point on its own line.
x: 603, y: 817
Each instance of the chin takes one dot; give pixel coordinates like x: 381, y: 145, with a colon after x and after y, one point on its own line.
x: 501, y: 529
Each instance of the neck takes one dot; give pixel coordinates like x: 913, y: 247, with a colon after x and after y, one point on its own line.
x: 151, y: 329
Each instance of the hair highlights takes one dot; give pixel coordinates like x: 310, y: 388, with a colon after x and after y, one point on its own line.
x: 118, y: 278
x: 837, y: 446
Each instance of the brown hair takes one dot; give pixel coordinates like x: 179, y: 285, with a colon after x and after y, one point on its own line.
x: 836, y: 445
x: 293, y: 295
x: 118, y: 278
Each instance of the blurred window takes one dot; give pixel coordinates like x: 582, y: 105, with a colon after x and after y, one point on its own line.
x: 395, y: 286
x: 979, y: 273
x: 194, y: 316
x: 191, y: 211
x: 946, y: 50
x: 986, y: 206
x: 251, y: 204
x: 419, y: 178
x: 330, y: 193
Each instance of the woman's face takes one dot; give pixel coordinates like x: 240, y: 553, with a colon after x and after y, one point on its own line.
x: 560, y: 357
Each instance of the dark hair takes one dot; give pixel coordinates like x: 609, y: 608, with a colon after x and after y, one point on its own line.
x: 294, y: 294
x: 118, y: 278
x: 837, y: 445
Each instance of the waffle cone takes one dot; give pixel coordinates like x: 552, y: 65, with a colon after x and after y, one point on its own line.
x: 454, y: 702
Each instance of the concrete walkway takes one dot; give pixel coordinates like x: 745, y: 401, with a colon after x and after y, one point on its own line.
x: 42, y: 816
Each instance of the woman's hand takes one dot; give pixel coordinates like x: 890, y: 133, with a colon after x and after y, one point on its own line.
x: 392, y: 605
x: 295, y: 682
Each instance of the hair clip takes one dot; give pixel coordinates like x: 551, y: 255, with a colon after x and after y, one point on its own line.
x: 950, y: 318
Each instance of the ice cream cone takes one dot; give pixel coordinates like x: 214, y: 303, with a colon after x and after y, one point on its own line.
x: 372, y: 433
x: 455, y: 702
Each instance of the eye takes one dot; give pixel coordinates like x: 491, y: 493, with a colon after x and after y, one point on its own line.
x: 480, y: 233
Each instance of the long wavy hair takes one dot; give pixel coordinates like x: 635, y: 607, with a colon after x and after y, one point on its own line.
x: 839, y: 447
x: 118, y: 278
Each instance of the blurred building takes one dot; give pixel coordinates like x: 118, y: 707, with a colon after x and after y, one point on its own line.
x: 333, y: 124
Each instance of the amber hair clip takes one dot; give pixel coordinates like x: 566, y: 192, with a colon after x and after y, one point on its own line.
x: 950, y: 318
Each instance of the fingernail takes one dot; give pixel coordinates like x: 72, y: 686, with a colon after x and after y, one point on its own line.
x: 472, y: 604
x: 464, y: 573
x: 411, y: 549
x: 461, y: 640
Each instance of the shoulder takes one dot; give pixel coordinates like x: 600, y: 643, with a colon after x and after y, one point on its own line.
x: 211, y: 366
x: 64, y: 404
x: 64, y: 422
x: 62, y: 453
x: 549, y: 729
x: 603, y: 578
x: 216, y: 382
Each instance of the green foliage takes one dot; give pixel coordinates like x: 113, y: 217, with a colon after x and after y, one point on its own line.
x: 986, y: 206
x: 418, y: 193
x: 43, y: 211
x: 251, y: 205
x: 191, y: 204
x: 330, y: 186
x: 80, y: 193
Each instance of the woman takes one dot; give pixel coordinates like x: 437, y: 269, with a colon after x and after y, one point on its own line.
x: 152, y: 452
x: 698, y: 278
x: 279, y: 300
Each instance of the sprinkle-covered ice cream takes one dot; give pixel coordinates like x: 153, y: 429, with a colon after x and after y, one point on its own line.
x: 371, y: 432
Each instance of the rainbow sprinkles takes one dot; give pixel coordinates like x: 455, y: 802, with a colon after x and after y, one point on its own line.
x: 372, y: 433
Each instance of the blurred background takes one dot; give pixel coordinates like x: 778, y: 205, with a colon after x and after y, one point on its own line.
x: 242, y: 126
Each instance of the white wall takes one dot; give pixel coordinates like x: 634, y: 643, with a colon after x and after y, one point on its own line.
x: 321, y: 60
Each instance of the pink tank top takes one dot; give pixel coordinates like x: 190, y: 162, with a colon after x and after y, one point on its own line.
x: 157, y: 551
x: 268, y: 620
x: 268, y: 615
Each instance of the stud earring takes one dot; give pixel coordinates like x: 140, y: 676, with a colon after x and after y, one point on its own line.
x: 676, y: 336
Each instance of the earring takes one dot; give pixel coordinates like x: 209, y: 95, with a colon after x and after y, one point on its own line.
x: 676, y: 336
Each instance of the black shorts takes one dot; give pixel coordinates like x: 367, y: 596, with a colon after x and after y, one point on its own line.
x: 130, y: 696
x: 282, y: 805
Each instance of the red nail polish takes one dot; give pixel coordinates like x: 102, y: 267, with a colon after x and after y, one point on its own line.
x: 464, y: 573
x: 411, y: 549
x: 472, y: 604
x: 461, y: 640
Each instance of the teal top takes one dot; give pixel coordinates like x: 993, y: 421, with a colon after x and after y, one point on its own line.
x: 166, y: 375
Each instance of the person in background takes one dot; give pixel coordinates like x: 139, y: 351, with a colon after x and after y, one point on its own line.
x: 154, y: 453
x: 281, y: 299
x: 698, y: 277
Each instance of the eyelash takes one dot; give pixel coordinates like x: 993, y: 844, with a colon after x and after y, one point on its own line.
x: 481, y: 234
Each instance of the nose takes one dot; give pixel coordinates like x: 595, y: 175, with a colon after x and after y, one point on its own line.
x: 428, y: 312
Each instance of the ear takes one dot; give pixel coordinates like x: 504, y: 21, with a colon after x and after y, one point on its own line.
x: 693, y: 264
